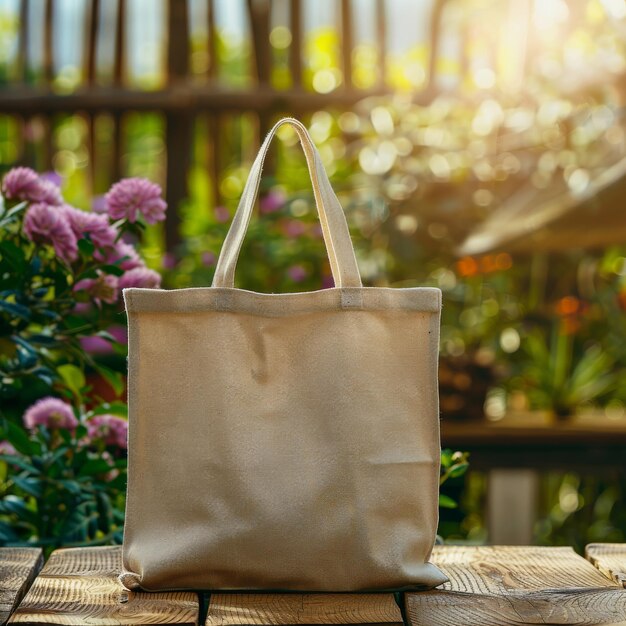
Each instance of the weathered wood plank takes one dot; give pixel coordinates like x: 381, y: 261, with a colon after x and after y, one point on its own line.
x: 18, y: 568
x: 610, y: 559
x: 258, y: 609
x: 79, y: 586
x: 500, y: 586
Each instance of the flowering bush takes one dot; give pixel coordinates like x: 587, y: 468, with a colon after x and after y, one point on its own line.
x: 62, y: 271
x: 63, y: 476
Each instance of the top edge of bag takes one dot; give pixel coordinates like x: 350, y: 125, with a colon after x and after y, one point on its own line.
x: 201, y: 299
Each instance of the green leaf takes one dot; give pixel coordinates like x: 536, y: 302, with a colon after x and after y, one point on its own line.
x: 16, y: 506
x: 113, y: 408
x: 91, y: 273
x: 43, y: 340
x: 458, y: 470
x: 12, y: 459
x: 86, y: 247
x: 112, y: 269
x: 7, y: 533
x: 73, y: 377
x: 115, y: 379
x: 446, y: 457
x: 24, y: 344
x: 93, y: 467
x: 14, y: 255
x: 446, y: 502
x: 70, y: 485
x: 32, y: 486
x: 20, y: 440
x: 14, y: 211
x: 17, y: 310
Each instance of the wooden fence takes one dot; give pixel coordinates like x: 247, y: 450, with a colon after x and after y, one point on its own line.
x: 182, y: 100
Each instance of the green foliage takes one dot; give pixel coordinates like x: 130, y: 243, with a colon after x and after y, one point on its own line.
x: 453, y: 465
x: 61, y: 487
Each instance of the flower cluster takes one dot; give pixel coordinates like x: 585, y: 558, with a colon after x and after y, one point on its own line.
x: 50, y: 221
x: 56, y: 414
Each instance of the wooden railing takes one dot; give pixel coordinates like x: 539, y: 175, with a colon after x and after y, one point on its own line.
x: 181, y: 100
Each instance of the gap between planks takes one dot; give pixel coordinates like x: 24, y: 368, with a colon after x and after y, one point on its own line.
x: 610, y: 559
x: 502, y: 586
x: 18, y: 568
x: 79, y: 586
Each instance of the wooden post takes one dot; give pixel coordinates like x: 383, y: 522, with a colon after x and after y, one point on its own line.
x: 381, y: 37
x: 512, y: 506
x: 22, y: 52
x: 435, y: 33
x: 295, y: 50
x: 347, y: 40
x: 179, y: 124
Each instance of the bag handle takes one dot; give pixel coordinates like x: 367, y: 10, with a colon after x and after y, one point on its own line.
x: 334, y: 226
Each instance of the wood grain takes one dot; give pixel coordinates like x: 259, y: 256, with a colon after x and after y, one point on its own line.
x: 257, y: 609
x: 79, y: 586
x: 18, y: 568
x: 500, y: 586
x: 610, y: 559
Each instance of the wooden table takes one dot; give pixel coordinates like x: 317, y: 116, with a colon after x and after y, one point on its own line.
x: 489, y: 586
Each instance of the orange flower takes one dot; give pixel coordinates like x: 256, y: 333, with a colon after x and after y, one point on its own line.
x: 467, y: 266
x: 568, y: 306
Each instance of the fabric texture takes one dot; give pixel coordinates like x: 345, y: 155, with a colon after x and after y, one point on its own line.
x: 283, y: 441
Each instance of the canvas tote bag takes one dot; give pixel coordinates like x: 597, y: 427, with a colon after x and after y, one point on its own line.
x: 283, y: 441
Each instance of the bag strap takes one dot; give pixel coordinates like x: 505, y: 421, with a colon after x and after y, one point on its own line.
x: 334, y: 226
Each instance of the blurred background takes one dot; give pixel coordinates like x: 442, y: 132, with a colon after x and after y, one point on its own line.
x: 476, y: 145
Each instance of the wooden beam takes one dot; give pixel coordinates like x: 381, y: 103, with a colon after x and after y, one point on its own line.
x: 434, y: 41
x: 79, y: 586
x: 23, y: 41
x: 48, y: 51
x: 119, y: 58
x: 509, y: 586
x: 91, y: 46
x: 183, y: 97
x: 277, y: 609
x: 259, y: 19
x: 381, y: 40
x: 610, y: 559
x: 212, y: 40
x: 295, y: 49
x: 18, y: 568
x: 347, y: 42
x: 179, y: 123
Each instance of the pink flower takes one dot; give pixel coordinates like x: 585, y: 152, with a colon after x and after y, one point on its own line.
x: 52, y: 177
x: 52, y: 413
x: 297, y: 273
x: 222, y: 214
x: 6, y: 447
x: 96, y: 226
x: 105, y: 288
x: 121, y: 250
x: 294, y: 228
x: 47, y: 224
x: 100, y: 345
x: 140, y: 277
x: 113, y: 430
x: 272, y: 201
x: 22, y: 183
x: 132, y: 196
x: 99, y: 204
x: 207, y: 259
x: 168, y: 262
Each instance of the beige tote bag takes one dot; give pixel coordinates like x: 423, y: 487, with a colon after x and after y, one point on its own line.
x: 283, y: 441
